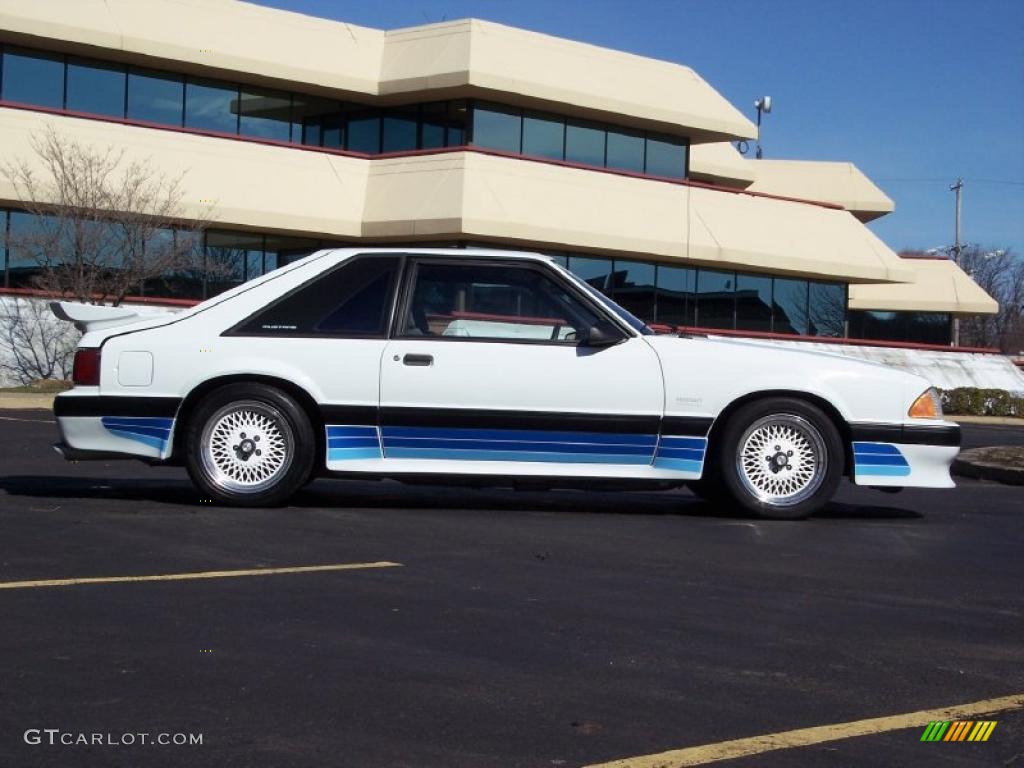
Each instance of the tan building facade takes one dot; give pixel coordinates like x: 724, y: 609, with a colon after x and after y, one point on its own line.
x: 303, y: 132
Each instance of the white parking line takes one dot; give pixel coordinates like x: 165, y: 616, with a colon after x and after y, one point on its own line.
x: 34, y: 421
x: 755, y: 745
x: 198, y: 575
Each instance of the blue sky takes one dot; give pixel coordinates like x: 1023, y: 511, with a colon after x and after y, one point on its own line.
x: 915, y: 92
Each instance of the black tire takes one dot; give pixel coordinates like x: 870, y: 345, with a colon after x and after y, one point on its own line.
x: 249, y: 445
x: 779, y: 458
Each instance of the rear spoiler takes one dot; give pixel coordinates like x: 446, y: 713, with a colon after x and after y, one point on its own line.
x: 93, y: 317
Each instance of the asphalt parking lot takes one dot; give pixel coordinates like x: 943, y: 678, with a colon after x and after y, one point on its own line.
x: 514, y: 628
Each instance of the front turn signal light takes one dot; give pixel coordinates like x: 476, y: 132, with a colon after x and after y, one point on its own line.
x: 927, y: 406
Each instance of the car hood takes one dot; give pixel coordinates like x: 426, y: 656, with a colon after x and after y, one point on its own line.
x: 710, y: 373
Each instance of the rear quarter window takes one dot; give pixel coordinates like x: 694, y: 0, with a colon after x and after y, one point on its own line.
x: 351, y: 300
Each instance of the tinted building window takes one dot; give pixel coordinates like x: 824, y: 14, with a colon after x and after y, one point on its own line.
x: 790, y: 313
x: 633, y: 287
x: 827, y: 312
x: 596, y: 272
x: 96, y: 87
x: 716, y: 297
x: 399, y: 130
x: 676, y: 300
x: 155, y: 97
x: 265, y: 114
x: 353, y: 299
x: 316, y: 122
x: 434, y: 125
x: 918, y: 327
x: 584, y: 143
x: 458, y: 112
x: 543, y: 136
x: 626, y: 151
x: 666, y: 157
x: 211, y: 106
x: 753, y: 303
x: 497, y: 127
x: 280, y: 250
x: 32, y: 77
x: 363, y: 133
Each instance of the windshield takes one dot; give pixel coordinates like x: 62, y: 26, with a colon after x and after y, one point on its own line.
x: 625, y: 315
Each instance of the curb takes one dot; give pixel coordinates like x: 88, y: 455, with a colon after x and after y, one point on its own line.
x: 1008, y: 421
x: 971, y: 463
x: 25, y: 400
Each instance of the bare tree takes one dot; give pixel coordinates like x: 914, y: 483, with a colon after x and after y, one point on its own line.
x: 34, y: 344
x: 102, y: 224
x: 1001, y: 274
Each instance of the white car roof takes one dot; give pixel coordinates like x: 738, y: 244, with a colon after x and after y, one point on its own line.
x: 451, y: 252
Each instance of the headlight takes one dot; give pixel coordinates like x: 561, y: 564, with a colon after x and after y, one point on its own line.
x: 927, y: 406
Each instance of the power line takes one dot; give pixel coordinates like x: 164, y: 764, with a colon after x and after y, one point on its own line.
x: 946, y: 180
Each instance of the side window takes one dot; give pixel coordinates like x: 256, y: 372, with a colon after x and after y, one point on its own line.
x: 498, y: 302
x: 352, y: 300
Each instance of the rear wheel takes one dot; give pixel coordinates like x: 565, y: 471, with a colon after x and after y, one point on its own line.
x: 780, y: 458
x: 249, y: 445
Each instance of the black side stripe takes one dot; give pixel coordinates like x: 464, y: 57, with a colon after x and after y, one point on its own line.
x: 116, y: 405
x: 687, y: 426
x: 906, y: 434
x: 358, y: 415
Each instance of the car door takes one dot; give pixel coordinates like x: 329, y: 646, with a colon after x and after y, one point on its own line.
x: 489, y: 371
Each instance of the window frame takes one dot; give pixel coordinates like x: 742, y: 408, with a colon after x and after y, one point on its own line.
x: 409, y: 281
x: 396, y: 286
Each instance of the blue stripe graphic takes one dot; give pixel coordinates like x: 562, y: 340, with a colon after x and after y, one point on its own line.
x: 346, y: 442
x: 880, y: 471
x: 884, y: 449
x: 681, y: 454
x: 696, y: 443
x: 519, y: 435
x: 152, y: 431
x: 509, y: 445
x: 468, y: 444
x: 680, y: 465
x: 494, y: 455
x: 879, y: 460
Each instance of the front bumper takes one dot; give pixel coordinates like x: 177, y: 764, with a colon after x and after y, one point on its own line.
x: 905, y: 455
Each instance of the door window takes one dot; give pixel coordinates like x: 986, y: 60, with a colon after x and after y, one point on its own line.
x: 495, y: 302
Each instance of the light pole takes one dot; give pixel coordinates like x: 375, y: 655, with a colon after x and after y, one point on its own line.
x: 957, y: 188
x: 763, y: 104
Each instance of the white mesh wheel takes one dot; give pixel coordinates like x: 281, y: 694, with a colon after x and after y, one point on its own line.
x: 781, y: 459
x: 246, y: 447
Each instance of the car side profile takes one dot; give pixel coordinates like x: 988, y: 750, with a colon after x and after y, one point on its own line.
x: 486, y: 366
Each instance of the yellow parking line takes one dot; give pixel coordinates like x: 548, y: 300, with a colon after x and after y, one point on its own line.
x: 755, y: 745
x: 198, y: 575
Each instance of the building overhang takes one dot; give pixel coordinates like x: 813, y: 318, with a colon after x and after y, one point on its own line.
x: 462, y: 194
x: 469, y: 57
x: 938, y: 285
x: 839, y: 183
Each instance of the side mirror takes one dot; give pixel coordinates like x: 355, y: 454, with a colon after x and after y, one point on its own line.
x: 601, y: 334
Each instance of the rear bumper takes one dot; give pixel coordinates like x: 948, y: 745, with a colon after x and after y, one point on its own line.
x: 92, y: 426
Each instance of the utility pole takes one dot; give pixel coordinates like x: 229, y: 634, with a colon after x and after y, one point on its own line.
x: 956, y: 253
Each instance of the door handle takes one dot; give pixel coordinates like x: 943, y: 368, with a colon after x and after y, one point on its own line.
x: 423, y: 360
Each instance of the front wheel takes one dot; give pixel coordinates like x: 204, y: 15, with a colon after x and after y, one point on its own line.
x: 780, y: 458
x: 249, y: 445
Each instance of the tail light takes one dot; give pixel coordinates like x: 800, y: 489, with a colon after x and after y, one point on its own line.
x: 86, y: 372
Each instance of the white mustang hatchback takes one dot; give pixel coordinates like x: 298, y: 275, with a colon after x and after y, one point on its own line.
x: 481, y: 365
